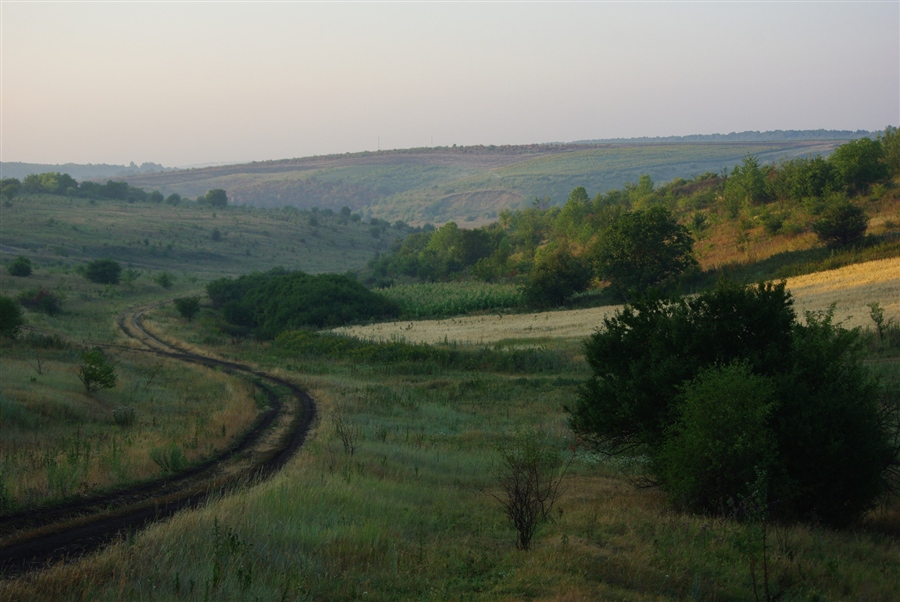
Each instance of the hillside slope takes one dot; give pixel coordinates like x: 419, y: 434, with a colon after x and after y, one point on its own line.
x: 464, y: 184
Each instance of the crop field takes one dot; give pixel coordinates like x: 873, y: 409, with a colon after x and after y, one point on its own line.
x: 851, y: 289
x: 438, y: 299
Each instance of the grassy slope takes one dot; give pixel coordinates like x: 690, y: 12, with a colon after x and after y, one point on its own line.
x: 62, y: 232
x: 464, y: 184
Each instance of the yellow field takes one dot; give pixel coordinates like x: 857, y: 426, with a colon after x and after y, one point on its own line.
x: 850, y: 288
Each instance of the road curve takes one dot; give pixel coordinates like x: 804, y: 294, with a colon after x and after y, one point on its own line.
x: 34, y: 539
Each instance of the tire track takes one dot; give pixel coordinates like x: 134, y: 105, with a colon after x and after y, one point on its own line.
x: 34, y: 539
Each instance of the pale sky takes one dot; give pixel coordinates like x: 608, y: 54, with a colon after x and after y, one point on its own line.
x: 182, y: 83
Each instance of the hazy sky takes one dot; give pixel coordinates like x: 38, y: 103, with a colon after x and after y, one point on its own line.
x: 183, y: 83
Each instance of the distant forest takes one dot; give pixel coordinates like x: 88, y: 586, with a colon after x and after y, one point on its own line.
x: 17, y: 169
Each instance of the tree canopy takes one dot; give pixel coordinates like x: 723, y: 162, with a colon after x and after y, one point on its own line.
x: 796, y: 394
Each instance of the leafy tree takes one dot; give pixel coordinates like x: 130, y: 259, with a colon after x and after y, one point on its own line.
x: 644, y: 249
x: 216, y: 198
x: 890, y: 144
x: 842, y: 224
x: 173, y: 199
x: 103, y: 271
x: 95, y: 371
x: 859, y: 163
x: 556, y: 276
x: 661, y: 365
x: 9, y: 187
x: 21, y: 267
x: 746, y: 185
x: 155, y: 197
x: 11, y: 320
x: 187, y: 307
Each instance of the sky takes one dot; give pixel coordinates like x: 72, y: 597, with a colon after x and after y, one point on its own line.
x: 192, y: 83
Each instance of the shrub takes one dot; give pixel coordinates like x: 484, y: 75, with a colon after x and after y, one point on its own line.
x: 187, y: 307
x: 842, y: 224
x: 654, y: 376
x: 41, y: 300
x: 124, y: 416
x: 164, y: 279
x: 555, y: 277
x: 170, y: 459
x: 103, y: 271
x: 21, y: 267
x: 95, y: 372
x: 11, y: 320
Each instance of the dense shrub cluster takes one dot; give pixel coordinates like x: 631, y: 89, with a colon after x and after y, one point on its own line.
x: 728, y: 384
x: 41, y: 300
x: 272, y: 302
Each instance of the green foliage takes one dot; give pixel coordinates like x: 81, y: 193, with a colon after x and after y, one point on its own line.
x: 644, y: 249
x: 187, y: 307
x: 164, y: 279
x: 654, y: 357
x: 890, y: 143
x: 842, y: 224
x: 276, y: 301
x: 170, y: 459
x: 216, y: 198
x: 9, y: 188
x: 41, y: 300
x: 11, y: 319
x: 444, y: 299
x: 720, y: 439
x: 95, y: 371
x: 103, y: 271
x: 746, y: 186
x: 555, y: 277
x: 20, y: 267
x: 859, y: 163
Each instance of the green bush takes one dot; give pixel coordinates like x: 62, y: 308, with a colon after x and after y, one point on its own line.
x: 556, y: 276
x: 41, y: 300
x: 164, y: 279
x: 654, y: 377
x: 842, y: 224
x: 21, y: 267
x: 95, y: 371
x: 103, y: 271
x: 11, y: 320
x: 187, y: 307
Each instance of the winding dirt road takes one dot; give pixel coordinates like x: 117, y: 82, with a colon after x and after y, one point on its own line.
x: 33, y: 539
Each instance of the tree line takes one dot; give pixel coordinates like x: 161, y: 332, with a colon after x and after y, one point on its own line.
x: 65, y: 185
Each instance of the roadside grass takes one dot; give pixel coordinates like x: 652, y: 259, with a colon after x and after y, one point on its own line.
x: 408, y: 515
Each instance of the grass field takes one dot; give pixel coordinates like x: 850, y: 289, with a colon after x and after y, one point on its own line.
x: 409, y: 513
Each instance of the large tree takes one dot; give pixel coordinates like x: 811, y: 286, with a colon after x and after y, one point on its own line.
x: 644, y: 249
x: 671, y: 377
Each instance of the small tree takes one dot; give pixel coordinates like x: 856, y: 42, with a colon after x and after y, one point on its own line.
x: 95, y: 372
x: 529, y: 473
x: 11, y: 320
x: 187, y: 307
x: 555, y: 277
x: 216, y: 198
x: 21, y: 267
x: 103, y: 271
x: 164, y: 279
x: 644, y: 249
x: 842, y: 224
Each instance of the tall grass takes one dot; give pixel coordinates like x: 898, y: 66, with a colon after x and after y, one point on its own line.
x: 443, y: 299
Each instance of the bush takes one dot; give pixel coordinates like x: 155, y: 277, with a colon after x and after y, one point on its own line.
x: 658, y: 373
x: 842, y: 224
x: 11, y: 320
x: 187, y: 307
x: 95, y: 372
x: 41, y: 300
x: 164, y: 279
x: 103, y: 271
x: 555, y: 278
x: 21, y: 267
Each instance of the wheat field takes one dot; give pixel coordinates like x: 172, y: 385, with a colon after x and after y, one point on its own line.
x: 851, y: 289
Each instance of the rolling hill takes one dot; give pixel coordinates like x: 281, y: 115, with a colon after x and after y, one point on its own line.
x: 469, y: 185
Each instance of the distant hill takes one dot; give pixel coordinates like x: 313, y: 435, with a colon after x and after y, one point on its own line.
x: 16, y: 169
x: 470, y: 185
x: 748, y: 136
